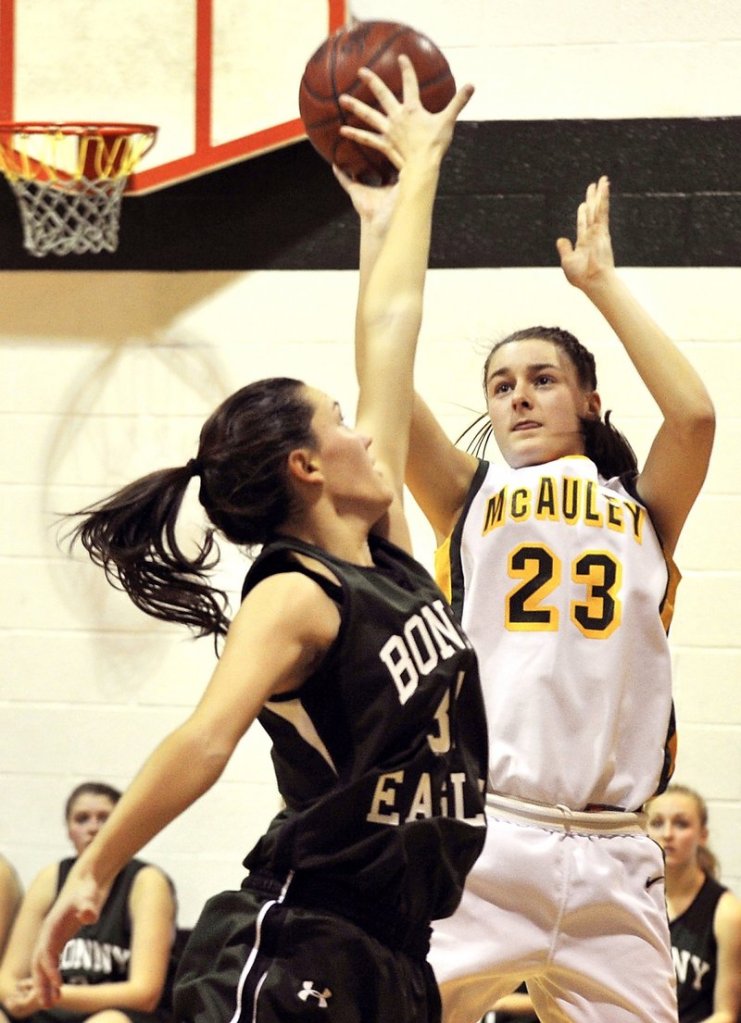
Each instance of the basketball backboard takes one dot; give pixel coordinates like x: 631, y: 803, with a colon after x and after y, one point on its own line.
x: 219, y: 78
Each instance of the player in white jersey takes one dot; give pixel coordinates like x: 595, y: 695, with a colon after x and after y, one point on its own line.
x: 569, y: 567
x: 560, y: 564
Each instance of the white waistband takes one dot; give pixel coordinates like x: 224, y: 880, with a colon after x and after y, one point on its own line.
x: 561, y: 818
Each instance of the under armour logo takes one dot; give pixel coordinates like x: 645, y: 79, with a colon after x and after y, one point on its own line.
x: 309, y: 991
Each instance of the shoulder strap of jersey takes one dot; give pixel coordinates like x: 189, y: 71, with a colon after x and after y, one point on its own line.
x: 278, y: 558
x: 63, y: 870
x: 448, y: 567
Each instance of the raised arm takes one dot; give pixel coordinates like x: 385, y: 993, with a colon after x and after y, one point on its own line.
x: 438, y: 473
x: 396, y: 226
x: 282, y: 626
x: 678, y: 460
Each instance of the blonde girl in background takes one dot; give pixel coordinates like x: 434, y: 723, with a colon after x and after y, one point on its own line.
x: 704, y: 916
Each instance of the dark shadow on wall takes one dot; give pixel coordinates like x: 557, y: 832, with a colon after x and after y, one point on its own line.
x: 99, y: 307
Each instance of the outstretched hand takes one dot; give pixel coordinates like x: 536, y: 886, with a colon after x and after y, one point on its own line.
x: 403, y: 129
x: 73, y: 909
x: 589, y: 261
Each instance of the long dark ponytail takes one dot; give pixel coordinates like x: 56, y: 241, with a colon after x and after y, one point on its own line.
x: 244, y: 490
x: 607, y: 447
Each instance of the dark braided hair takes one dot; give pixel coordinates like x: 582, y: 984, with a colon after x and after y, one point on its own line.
x: 242, y: 462
x: 607, y: 447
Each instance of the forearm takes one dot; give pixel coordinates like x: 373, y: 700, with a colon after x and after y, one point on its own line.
x: 395, y: 271
x: 390, y: 314
x: 670, y: 378
x: 181, y: 769
x: 372, y: 235
x: 89, y: 998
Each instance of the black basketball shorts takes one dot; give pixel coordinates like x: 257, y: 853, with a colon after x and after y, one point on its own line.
x: 253, y: 959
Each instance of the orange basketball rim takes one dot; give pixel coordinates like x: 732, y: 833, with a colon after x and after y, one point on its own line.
x: 69, y: 179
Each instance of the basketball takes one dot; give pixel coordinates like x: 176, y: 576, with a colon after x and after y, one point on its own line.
x: 333, y: 69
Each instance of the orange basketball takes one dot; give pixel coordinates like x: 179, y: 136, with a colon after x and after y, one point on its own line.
x: 333, y: 69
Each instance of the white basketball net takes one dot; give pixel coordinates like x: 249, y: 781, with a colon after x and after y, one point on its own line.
x: 69, y: 218
x: 69, y: 181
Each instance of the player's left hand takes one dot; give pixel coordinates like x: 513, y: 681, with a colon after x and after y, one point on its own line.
x: 79, y: 903
x: 403, y: 129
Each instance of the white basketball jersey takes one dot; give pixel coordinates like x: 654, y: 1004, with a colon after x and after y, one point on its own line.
x: 566, y: 595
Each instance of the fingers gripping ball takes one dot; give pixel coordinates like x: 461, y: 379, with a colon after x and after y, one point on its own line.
x: 333, y: 69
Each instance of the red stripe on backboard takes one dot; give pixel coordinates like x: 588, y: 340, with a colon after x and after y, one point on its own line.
x: 216, y: 157
x: 207, y: 157
x: 337, y: 14
x: 7, y: 62
x: 204, y: 73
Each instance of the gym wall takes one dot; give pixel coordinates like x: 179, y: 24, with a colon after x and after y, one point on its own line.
x: 109, y: 364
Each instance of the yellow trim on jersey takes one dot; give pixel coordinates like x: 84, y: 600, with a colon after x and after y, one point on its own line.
x: 672, y: 743
x: 443, y: 570
x: 667, y: 608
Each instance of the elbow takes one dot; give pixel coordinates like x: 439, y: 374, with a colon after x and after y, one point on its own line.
x: 205, y: 749
x: 703, y: 422
x: 704, y: 410
x: 215, y: 754
x: 150, y: 1002
x: 697, y: 420
x: 147, y: 998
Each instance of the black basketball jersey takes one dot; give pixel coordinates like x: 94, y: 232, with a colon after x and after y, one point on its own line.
x: 100, y: 952
x: 381, y: 754
x: 695, y: 953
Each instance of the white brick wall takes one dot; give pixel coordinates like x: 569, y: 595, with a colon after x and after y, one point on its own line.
x: 581, y: 58
x: 90, y: 685
x: 105, y: 376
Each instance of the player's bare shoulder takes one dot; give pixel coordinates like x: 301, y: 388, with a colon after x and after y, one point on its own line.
x: 295, y: 606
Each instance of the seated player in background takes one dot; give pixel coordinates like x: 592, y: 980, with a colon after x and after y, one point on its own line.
x: 704, y: 916
x: 114, y: 970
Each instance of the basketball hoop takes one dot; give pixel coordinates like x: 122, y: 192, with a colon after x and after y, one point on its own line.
x: 69, y: 180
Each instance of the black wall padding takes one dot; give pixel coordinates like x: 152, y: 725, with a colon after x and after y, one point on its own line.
x: 508, y: 189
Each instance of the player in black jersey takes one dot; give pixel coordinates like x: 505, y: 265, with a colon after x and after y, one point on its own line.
x: 344, y: 649
x: 704, y: 916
